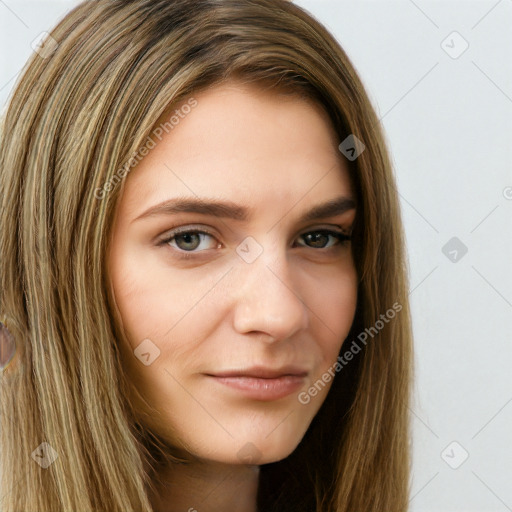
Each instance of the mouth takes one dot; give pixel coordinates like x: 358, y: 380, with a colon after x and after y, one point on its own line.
x: 261, y: 383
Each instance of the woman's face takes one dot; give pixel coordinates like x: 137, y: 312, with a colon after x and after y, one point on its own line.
x: 257, y: 281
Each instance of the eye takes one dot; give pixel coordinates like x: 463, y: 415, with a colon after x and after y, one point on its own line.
x: 320, y: 237
x: 188, y: 240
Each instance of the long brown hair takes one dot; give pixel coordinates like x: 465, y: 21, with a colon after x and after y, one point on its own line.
x: 80, y: 112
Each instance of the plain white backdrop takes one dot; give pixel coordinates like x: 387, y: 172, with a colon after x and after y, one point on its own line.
x: 439, y: 74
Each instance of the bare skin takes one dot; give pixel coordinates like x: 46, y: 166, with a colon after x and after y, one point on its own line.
x: 201, y: 307
x: 210, y: 487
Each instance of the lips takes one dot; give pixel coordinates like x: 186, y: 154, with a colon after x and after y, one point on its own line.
x: 261, y: 383
x: 261, y: 372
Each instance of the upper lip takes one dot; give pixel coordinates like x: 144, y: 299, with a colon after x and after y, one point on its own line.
x: 263, y: 372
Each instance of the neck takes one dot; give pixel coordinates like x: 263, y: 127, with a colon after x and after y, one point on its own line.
x: 207, y: 487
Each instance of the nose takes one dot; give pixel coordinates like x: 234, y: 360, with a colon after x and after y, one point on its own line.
x: 266, y: 301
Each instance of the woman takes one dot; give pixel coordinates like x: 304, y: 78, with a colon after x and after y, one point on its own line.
x: 203, y: 269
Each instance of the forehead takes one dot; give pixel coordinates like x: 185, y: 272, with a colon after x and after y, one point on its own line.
x: 241, y: 142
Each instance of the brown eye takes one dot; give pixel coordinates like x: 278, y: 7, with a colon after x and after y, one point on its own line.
x: 319, y: 239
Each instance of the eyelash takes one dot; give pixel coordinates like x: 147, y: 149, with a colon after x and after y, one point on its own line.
x: 343, y: 240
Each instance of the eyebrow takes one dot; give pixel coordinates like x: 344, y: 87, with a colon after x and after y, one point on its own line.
x: 230, y: 210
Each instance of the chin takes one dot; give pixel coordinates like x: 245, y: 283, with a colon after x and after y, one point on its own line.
x: 253, y: 454
x: 256, y: 448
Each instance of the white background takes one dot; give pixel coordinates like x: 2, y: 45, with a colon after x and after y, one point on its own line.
x: 448, y: 122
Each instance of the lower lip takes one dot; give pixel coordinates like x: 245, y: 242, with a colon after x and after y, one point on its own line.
x: 263, y: 389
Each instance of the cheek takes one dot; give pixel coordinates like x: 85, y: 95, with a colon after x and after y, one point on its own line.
x: 334, y: 312
x: 341, y: 302
x: 155, y: 307
x: 332, y: 298
x: 151, y: 299
x: 172, y: 309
